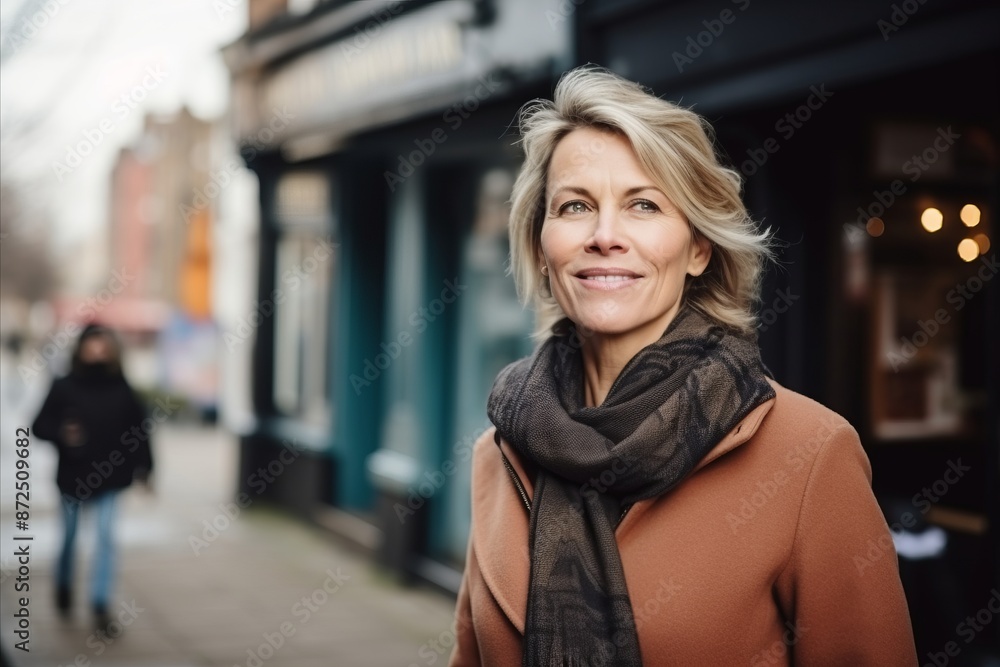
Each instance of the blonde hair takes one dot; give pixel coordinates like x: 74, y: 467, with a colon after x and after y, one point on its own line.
x: 675, y: 146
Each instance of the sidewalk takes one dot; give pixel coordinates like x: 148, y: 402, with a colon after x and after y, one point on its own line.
x: 267, y: 590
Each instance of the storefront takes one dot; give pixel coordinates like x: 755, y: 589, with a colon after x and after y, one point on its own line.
x: 381, y: 140
x: 867, y: 137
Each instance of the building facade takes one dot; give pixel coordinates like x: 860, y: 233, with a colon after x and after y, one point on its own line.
x: 381, y: 135
x: 161, y: 258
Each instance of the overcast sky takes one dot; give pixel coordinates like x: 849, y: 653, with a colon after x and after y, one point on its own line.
x: 64, y: 74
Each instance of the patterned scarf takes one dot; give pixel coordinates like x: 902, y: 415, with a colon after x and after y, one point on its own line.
x: 672, y: 403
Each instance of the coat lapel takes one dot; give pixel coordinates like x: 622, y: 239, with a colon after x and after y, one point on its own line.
x: 738, y: 435
x: 500, y: 528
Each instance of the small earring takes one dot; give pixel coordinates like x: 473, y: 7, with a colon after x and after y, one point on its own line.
x: 545, y: 269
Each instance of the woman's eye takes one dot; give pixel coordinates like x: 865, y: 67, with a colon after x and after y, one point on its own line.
x: 573, y: 207
x: 646, y: 206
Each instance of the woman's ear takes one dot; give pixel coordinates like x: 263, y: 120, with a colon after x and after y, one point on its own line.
x: 540, y: 261
x: 701, y: 253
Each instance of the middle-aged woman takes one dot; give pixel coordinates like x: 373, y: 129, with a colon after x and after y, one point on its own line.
x: 649, y: 495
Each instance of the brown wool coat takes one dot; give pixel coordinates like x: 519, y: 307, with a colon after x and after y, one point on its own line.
x: 772, y: 552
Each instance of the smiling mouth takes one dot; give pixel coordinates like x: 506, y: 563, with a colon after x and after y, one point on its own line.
x: 607, y: 272
x: 609, y: 279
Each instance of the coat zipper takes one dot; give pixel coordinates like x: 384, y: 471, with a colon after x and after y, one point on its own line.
x: 622, y: 517
x: 517, y: 483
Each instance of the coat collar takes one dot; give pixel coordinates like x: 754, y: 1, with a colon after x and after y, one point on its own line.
x: 739, y: 434
x: 500, y: 523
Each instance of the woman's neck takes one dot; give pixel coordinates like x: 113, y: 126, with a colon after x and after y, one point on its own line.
x: 603, y: 362
x: 605, y: 355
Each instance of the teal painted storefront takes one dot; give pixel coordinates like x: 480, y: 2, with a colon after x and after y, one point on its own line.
x: 417, y: 319
x: 378, y: 363
x: 452, y: 321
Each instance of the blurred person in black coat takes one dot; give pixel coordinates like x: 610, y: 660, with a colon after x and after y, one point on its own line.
x: 97, y: 423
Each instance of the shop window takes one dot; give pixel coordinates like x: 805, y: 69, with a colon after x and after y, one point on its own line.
x: 404, y: 427
x: 494, y: 330
x: 305, y: 261
x: 928, y: 232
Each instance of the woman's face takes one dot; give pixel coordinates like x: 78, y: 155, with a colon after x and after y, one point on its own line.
x: 95, y: 349
x: 616, y: 249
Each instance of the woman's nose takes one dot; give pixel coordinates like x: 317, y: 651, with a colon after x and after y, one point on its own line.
x: 607, y: 235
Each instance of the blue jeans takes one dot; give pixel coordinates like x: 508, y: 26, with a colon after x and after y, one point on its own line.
x: 104, y: 557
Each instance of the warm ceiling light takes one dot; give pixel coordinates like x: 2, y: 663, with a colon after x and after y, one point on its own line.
x: 968, y: 249
x: 983, y: 241
x: 875, y: 227
x: 970, y: 215
x: 931, y: 219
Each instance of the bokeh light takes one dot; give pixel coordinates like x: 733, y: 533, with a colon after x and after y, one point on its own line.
x: 970, y: 215
x: 968, y: 249
x: 932, y: 219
